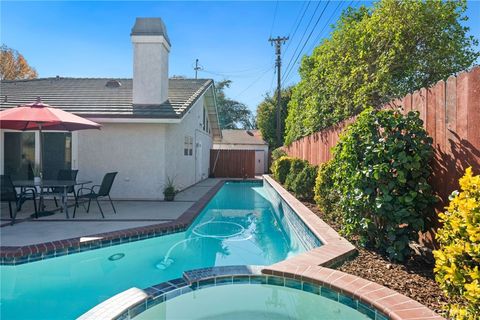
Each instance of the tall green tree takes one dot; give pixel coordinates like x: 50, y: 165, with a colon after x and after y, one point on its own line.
x: 376, y: 54
x: 232, y: 114
x: 267, y: 117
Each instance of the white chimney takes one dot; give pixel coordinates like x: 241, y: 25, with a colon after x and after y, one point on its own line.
x: 151, y: 47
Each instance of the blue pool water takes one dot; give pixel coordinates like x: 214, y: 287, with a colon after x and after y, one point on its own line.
x: 244, y: 223
x: 258, y: 302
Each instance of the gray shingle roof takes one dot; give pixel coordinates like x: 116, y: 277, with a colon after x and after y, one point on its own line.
x: 236, y: 136
x: 92, y: 98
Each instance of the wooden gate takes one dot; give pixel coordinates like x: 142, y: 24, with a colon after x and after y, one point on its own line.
x: 232, y: 163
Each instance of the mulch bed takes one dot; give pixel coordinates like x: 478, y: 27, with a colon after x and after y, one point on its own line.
x: 413, y: 278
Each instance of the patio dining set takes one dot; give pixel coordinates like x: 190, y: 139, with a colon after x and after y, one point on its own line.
x: 40, y: 117
x: 16, y: 192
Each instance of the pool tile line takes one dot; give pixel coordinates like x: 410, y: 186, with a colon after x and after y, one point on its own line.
x: 334, y: 248
x: 371, y: 295
x: 12, y: 255
x: 220, y: 276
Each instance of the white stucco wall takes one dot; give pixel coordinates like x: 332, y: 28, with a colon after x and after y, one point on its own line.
x: 136, y: 151
x: 150, y: 69
x: 256, y: 147
x: 188, y: 170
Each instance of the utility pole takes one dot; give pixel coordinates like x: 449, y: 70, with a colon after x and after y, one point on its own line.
x: 278, y: 63
x: 196, y: 68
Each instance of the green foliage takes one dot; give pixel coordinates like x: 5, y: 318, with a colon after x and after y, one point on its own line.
x: 381, y: 167
x: 326, y: 196
x: 296, y: 166
x: 277, y: 153
x: 304, y: 183
x: 376, y: 54
x: 267, y: 117
x: 457, y: 262
x: 280, y: 168
x: 232, y: 114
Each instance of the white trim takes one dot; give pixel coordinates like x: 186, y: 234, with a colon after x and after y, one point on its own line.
x: 132, y: 120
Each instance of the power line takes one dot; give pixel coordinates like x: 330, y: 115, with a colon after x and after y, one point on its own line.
x: 326, y: 24
x: 298, y: 24
x: 323, y: 28
x: 274, y: 17
x: 308, y: 38
x: 256, y: 80
x: 303, y: 35
x: 227, y: 75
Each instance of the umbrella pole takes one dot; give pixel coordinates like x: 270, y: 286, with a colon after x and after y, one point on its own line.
x: 40, y: 145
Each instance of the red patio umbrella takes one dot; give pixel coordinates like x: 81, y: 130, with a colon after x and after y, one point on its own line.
x: 40, y: 116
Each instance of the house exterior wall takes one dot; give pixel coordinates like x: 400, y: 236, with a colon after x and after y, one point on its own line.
x: 136, y: 151
x: 185, y: 169
x: 258, y: 147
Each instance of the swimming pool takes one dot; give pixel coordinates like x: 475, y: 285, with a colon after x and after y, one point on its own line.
x: 243, y: 224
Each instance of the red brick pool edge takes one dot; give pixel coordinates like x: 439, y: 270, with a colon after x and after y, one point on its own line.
x: 312, y: 266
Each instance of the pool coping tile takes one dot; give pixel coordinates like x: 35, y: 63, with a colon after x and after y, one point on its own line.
x: 15, y: 255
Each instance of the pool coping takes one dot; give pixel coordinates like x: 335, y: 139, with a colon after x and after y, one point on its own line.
x: 375, y: 301
x: 334, y: 248
x: 15, y: 255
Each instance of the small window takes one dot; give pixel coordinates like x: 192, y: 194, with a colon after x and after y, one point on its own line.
x: 188, y: 146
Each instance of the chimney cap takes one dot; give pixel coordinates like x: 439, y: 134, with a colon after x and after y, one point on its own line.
x: 150, y: 27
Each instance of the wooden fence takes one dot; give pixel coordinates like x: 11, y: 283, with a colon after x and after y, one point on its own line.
x: 232, y: 163
x: 450, y: 111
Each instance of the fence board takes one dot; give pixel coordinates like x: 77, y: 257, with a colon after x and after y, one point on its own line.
x: 232, y: 163
x: 451, y: 114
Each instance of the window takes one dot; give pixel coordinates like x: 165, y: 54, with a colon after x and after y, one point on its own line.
x: 188, y: 146
x: 204, y: 122
x: 19, y: 151
x: 19, y: 154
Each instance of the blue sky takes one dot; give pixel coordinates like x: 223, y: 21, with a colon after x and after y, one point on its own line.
x: 91, y: 39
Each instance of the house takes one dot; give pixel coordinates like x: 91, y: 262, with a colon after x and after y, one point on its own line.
x: 153, y: 127
x: 245, y: 140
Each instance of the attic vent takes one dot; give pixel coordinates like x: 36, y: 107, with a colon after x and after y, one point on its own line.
x: 113, y: 84
x: 249, y: 133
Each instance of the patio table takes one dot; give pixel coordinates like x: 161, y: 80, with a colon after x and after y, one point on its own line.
x: 64, y: 184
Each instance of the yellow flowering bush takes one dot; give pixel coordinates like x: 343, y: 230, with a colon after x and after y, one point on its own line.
x: 457, y: 262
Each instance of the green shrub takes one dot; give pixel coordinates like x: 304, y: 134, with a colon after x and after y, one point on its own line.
x: 304, y: 183
x: 326, y: 196
x: 277, y: 153
x: 296, y: 167
x: 280, y: 168
x: 381, y: 168
x: 457, y: 262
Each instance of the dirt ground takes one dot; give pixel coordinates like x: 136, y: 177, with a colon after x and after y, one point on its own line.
x: 413, y: 278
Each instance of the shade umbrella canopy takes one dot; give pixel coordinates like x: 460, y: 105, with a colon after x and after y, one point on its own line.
x: 40, y: 116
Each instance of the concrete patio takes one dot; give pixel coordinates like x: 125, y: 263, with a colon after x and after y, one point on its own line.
x: 130, y: 214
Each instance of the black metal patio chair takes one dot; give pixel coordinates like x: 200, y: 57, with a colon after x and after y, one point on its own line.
x: 9, y: 194
x: 65, y: 174
x: 103, y: 191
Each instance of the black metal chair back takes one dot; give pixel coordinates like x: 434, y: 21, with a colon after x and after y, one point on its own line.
x: 8, y: 191
x: 107, y: 183
x: 67, y: 174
